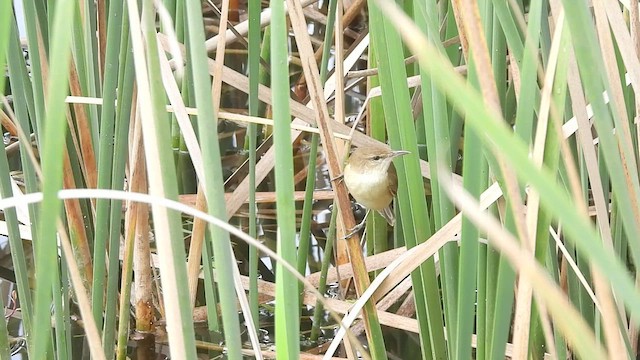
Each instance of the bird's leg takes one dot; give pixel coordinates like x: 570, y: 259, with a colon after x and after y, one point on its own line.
x: 358, y: 227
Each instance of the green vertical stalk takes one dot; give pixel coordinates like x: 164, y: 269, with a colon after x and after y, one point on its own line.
x: 29, y: 7
x: 501, y: 307
x: 488, y: 259
x: 18, y: 255
x: 213, y: 323
x: 213, y: 182
x: 105, y: 159
x: 436, y: 124
x: 318, y: 312
x: 177, y: 141
x: 52, y: 156
x: 23, y: 107
x: 210, y: 285
x: 287, y: 324
x: 252, y: 135
x: 265, y: 54
x: 119, y: 158
x: 61, y: 314
x: 475, y: 171
x: 21, y: 92
x: 481, y: 301
x: 125, y: 86
x: 6, y: 19
x: 90, y: 64
x: 305, y: 226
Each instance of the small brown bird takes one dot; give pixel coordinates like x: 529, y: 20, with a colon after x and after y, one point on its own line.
x: 371, y: 178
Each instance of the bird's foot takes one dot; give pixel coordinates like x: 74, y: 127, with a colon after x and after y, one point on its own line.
x: 338, y: 178
x: 354, y: 230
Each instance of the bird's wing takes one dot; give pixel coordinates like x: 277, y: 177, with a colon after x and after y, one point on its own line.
x: 392, y: 180
x: 387, y: 212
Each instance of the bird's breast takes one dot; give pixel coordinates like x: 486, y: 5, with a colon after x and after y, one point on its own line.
x: 371, y: 188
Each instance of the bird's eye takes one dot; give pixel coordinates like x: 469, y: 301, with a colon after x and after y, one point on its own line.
x: 377, y: 157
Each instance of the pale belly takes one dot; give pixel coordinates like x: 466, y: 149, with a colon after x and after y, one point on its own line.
x: 374, y: 200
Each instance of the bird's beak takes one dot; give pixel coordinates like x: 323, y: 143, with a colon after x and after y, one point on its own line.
x: 397, y: 153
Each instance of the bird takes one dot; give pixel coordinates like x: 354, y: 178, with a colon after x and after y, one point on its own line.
x: 371, y: 178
